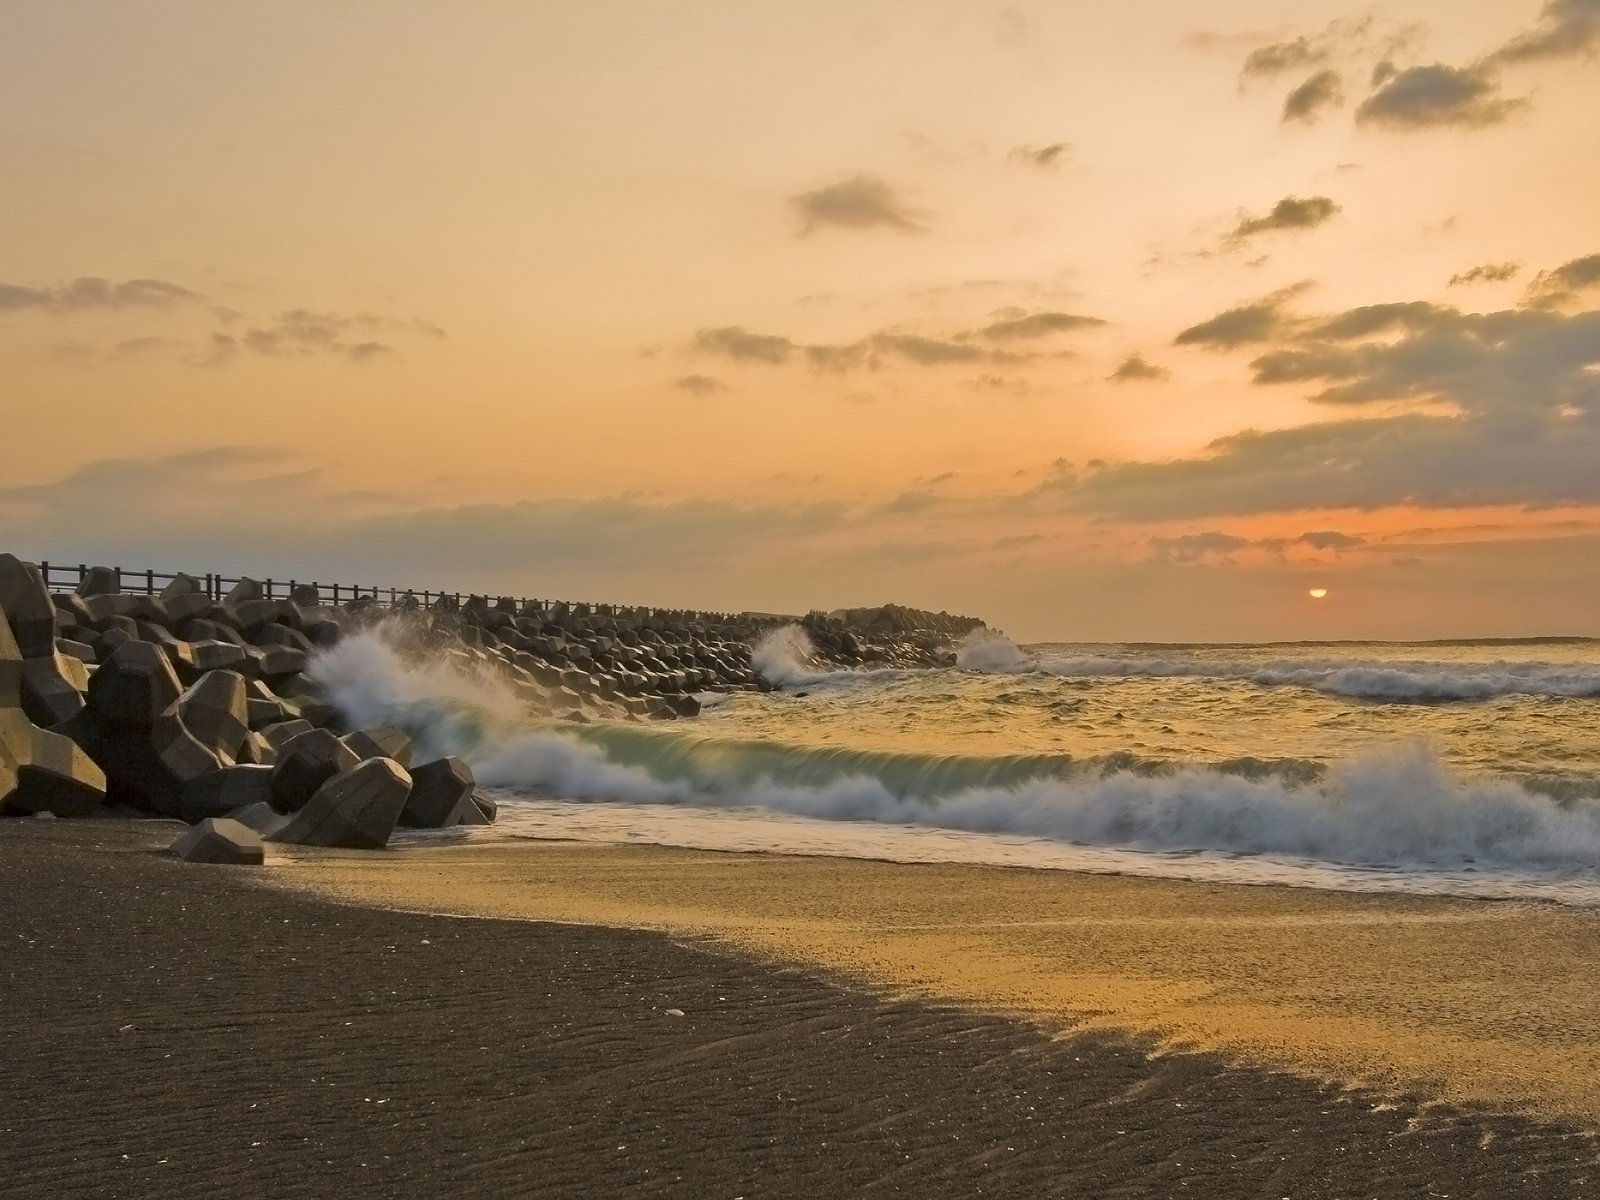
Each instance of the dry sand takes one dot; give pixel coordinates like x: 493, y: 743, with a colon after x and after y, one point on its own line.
x: 1471, y: 1001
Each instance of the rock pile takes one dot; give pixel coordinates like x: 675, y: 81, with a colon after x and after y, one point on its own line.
x: 182, y: 706
x: 179, y: 706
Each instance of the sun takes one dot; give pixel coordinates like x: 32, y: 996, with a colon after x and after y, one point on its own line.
x: 1318, y: 593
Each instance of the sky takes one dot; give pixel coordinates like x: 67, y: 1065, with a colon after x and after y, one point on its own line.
x: 1101, y: 322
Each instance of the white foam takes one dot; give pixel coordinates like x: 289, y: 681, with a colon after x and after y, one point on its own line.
x: 991, y: 650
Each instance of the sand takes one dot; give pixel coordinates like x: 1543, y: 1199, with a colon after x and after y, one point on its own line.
x: 1474, y: 1002
x: 185, y: 1031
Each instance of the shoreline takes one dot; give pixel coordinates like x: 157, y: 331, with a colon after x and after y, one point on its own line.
x: 202, y: 1031
x: 1475, y: 1002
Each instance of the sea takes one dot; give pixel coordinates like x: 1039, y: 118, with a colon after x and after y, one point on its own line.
x: 1467, y: 768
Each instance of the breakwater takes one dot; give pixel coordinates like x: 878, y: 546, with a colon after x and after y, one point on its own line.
x: 201, y: 698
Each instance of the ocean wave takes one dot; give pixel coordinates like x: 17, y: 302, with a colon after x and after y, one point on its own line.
x: 1357, y: 679
x: 1398, y: 806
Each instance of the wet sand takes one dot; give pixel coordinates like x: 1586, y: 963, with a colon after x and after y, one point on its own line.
x: 1471, y: 1001
x: 182, y: 1031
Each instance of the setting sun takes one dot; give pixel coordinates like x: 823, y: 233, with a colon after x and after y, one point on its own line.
x: 1318, y: 593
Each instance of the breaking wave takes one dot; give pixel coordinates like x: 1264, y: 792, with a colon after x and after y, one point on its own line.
x: 1401, y: 806
x: 991, y: 650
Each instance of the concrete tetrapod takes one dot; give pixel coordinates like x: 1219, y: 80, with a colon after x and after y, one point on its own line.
x: 134, y: 686
x: 218, y: 793
x: 214, y: 711
x: 441, y: 796
x: 356, y: 809
x: 305, y: 763
x: 40, y: 771
x: 385, y: 742
x: 219, y: 840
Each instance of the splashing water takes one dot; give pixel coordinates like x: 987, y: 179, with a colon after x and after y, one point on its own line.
x: 991, y: 650
x: 1396, y: 818
x: 785, y: 657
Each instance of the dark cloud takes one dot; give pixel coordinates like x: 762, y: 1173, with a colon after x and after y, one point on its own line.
x: 1020, y: 325
x: 1045, y: 157
x: 699, y: 385
x: 861, y: 202
x: 1566, y: 283
x: 1322, y: 91
x: 1292, y: 212
x: 90, y: 293
x: 1136, y: 367
x: 1249, y: 324
x: 1437, y: 96
x: 1566, y: 28
x: 738, y: 343
x: 1512, y: 416
x: 1487, y: 273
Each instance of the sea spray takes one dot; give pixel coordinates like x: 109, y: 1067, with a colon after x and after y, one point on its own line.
x: 446, y: 704
x: 991, y: 650
x: 785, y: 657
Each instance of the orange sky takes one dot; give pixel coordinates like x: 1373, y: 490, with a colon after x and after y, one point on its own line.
x: 1098, y: 321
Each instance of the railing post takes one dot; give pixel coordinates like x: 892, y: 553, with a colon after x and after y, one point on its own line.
x: 150, y: 582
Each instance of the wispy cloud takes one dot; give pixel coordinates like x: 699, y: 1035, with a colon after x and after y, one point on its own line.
x: 88, y: 293
x: 862, y: 202
x: 1498, y: 272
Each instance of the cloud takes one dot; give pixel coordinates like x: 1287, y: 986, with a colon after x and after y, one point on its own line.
x: 1437, y: 96
x: 739, y: 344
x: 1020, y: 325
x: 1329, y: 539
x: 1261, y: 321
x: 300, y: 331
x: 1498, y: 272
x: 1565, y: 283
x: 1046, y: 158
x: 1306, y: 103
x: 1512, y: 416
x: 1196, y: 547
x: 1566, y: 28
x: 861, y: 202
x: 1011, y: 326
x: 1216, y: 546
x: 1136, y: 367
x: 1292, y: 212
x: 699, y: 385
x: 90, y: 293
x: 231, y: 508
x: 1264, y: 62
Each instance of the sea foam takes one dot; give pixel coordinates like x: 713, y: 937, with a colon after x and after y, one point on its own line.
x: 1397, y: 806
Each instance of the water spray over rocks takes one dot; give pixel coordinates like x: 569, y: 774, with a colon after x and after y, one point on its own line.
x: 254, y: 708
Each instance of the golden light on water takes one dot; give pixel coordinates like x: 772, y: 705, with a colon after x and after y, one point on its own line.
x: 1318, y: 593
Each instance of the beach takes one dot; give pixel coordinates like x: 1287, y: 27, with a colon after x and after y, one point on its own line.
x: 190, y: 1031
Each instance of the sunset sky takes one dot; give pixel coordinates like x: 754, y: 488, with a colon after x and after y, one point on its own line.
x: 1131, y: 321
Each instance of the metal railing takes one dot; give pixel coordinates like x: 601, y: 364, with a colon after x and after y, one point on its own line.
x: 60, y: 577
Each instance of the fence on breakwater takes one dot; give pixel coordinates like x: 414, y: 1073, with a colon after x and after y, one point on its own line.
x: 60, y: 577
